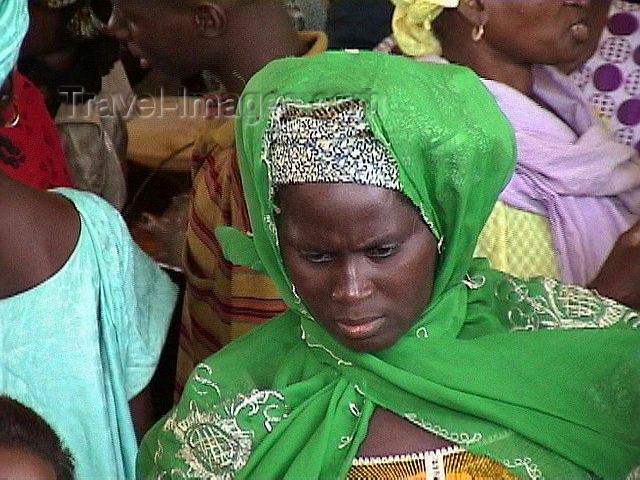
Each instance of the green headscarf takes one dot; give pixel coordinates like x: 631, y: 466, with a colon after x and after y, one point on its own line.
x: 541, y: 377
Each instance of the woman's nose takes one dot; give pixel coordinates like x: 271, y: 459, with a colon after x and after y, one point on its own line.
x: 117, y: 27
x: 352, y: 283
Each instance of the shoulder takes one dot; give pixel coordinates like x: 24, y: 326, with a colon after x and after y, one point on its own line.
x: 45, y: 231
x: 214, y: 154
x: 94, y: 211
x: 547, y: 304
x: 216, y: 137
x: 107, y: 234
x: 241, y: 376
x: 254, y: 359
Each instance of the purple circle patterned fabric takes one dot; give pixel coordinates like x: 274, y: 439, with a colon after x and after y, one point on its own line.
x: 611, y: 78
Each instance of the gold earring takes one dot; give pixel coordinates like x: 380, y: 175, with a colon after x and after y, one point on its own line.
x: 478, y: 33
x: 13, y: 120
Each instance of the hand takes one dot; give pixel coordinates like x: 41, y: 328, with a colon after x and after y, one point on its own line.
x: 619, y: 277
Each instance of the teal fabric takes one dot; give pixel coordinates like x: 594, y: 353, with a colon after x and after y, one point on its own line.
x: 14, y: 21
x: 79, y: 346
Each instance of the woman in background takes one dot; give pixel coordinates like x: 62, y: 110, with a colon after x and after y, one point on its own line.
x: 66, y: 50
x: 576, y: 191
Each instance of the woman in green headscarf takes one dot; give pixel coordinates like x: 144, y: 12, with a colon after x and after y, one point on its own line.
x: 368, y: 180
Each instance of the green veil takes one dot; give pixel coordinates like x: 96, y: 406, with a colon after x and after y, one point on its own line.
x: 539, y: 376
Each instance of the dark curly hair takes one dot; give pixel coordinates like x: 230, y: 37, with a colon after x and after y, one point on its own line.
x: 21, y: 427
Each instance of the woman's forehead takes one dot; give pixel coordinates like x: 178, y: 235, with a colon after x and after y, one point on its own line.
x: 313, y: 201
x: 340, y: 190
x: 345, y: 214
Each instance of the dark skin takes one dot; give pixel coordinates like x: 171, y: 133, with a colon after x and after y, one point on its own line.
x: 619, y: 277
x: 363, y: 261
x: 44, y: 230
x: 22, y: 463
x: 47, y: 31
x: 228, y: 37
x: 41, y: 232
x: 598, y: 14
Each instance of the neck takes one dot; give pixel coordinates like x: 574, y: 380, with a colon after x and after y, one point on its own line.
x: 458, y: 46
x: 234, y: 77
x: 252, y: 51
x: 492, y: 65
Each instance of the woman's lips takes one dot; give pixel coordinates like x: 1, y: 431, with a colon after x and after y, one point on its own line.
x: 580, y: 31
x: 360, y: 329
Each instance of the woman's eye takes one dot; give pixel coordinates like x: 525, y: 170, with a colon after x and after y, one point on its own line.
x: 382, y: 252
x: 315, y: 257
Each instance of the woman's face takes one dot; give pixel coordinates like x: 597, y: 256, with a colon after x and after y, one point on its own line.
x: 361, y: 258
x: 540, y: 32
x: 154, y: 33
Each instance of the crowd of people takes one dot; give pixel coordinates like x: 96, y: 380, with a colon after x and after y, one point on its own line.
x: 416, y: 262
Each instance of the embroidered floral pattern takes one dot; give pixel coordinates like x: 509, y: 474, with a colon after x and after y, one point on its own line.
x: 212, y: 443
x: 213, y: 447
x: 561, y: 307
x: 533, y: 471
x: 422, y: 332
x: 346, y: 440
x: 475, y: 283
x: 310, y: 344
x: 462, y: 438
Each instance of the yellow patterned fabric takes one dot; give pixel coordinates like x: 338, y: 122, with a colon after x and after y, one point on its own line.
x: 518, y: 243
x: 457, y: 465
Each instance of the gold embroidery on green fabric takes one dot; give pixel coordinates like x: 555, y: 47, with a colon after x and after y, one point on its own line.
x: 533, y: 471
x: 561, y: 307
x: 319, y: 346
x: 212, y: 443
x: 462, y: 438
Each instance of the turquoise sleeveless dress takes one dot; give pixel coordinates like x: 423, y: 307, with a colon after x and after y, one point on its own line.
x: 79, y: 346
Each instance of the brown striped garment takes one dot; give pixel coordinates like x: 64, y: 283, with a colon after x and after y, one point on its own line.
x: 222, y: 301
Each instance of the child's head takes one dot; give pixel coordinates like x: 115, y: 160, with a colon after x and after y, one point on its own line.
x: 29, y: 448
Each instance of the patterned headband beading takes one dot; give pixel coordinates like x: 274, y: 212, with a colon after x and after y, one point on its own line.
x: 327, y: 142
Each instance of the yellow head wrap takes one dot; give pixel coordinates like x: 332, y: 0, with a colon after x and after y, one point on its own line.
x: 412, y: 25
